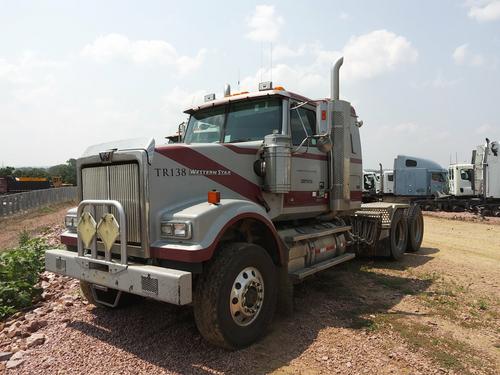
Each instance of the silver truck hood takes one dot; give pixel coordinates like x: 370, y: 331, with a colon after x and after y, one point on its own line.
x: 147, y: 144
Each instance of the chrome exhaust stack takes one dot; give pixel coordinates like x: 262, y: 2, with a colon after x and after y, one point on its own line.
x: 335, y: 84
x: 227, y: 90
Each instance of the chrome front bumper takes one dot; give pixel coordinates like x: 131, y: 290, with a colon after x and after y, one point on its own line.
x: 163, y: 284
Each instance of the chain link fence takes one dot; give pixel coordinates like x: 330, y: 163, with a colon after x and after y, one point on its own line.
x: 23, y: 202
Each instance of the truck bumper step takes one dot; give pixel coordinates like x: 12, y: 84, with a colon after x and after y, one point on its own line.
x: 311, y: 270
x: 163, y: 284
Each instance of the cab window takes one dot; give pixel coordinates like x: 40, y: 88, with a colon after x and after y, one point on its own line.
x: 437, y: 177
x: 205, y: 126
x: 253, y: 120
x: 243, y: 121
x: 465, y: 174
x: 302, y: 124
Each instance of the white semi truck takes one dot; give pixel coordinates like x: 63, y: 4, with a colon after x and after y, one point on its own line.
x: 473, y: 187
x: 263, y: 190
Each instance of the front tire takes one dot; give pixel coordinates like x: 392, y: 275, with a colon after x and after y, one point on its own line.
x: 235, y: 297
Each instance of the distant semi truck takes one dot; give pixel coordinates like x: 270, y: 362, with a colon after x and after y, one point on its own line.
x: 411, y: 178
x: 471, y: 186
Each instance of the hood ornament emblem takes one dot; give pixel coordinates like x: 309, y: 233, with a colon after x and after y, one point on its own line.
x: 106, y: 156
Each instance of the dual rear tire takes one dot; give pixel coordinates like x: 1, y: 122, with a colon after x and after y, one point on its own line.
x: 407, y: 232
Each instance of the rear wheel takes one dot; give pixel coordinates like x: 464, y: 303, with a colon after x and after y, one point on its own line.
x: 415, y: 229
x: 398, y: 237
x: 235, y: 297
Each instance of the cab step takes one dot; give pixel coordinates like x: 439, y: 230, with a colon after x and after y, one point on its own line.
x: 301, y: 274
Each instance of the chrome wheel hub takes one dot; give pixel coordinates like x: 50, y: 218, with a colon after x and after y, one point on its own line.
x: 247, y: 295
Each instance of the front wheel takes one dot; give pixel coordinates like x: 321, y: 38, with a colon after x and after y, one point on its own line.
x: 235, y: 297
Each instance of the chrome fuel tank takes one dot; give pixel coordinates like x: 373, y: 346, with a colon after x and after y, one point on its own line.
x: 277, y: 157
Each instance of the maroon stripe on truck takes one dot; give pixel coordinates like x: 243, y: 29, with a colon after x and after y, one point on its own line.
x: 356, y: 161
x: 241, y: 150
x: 303, y: 198
x: 69, y: 240
x: 196, y: 256
x: 195, y: 160
x: 356, y: 195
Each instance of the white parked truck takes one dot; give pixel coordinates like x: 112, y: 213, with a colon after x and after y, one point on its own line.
x: 460, y: 179
x: 473, y: 187
x: 263, y: 190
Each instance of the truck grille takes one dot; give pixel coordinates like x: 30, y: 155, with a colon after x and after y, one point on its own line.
x: 118, y: 182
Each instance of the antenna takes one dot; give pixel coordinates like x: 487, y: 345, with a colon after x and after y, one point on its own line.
x: 239, y: 79
x: 271, y: 53
x: 261, y: 59
x: 456, y: 157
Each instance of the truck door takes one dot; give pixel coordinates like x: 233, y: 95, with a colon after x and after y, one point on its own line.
x: 309, y: 165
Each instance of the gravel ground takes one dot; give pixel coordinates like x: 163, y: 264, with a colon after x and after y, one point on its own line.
x: 409, y: 317
x: 463, y: 216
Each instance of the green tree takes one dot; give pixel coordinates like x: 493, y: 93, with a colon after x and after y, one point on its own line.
x: 31, y: 172
x: 66, y: 171
x: 70, y: 176
x: 6, y: 171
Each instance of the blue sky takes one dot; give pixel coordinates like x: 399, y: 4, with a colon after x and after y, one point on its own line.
x: 423, y: 75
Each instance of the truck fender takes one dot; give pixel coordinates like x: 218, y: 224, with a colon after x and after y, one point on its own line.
x: 209, y: 223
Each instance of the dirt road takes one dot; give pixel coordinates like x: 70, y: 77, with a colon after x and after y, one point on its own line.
x: 437, y: 311
x: 35, y: 223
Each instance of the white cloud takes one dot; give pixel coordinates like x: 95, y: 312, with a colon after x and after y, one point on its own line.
x: 366, y: 56
x: 281, y: 52
x: 264, y: 24
x: 407, y: 128
x: 377, y: 52
x: 484, y: 10
x: 370, y: 55
x: 116, y: 46
x: 344, y: 16
x: 439, y: 82
x: 27, y: 68
x: 462, y: 56
x: 485, y: 129
x: 459, y: 53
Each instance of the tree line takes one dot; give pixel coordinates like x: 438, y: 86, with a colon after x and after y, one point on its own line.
x: 67, y: 172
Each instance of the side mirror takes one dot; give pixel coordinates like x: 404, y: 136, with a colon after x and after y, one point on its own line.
x: 181, y: 130
x: 324, y: 143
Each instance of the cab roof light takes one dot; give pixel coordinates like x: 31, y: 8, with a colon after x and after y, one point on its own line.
x: 209, y: 97
x: 263, y: 86
x: 279, y: 88
x: 214, y: 197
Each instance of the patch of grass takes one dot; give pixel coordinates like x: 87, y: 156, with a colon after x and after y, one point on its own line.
x: 482, y: 304
x: 447, y: 352
x: 24, y: 237
x: 20, y: 269
x: 404, y: 285
x: 47, y: 210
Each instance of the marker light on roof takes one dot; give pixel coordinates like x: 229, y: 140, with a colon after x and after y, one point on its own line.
x: 263, y: 86
x: 209, y: 97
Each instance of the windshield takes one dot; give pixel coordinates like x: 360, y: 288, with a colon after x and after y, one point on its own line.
x: 235, y: 122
